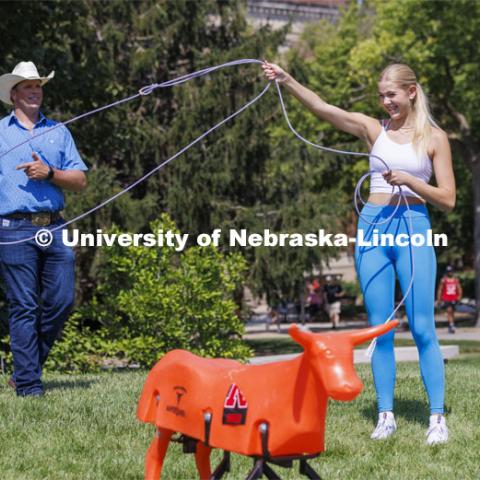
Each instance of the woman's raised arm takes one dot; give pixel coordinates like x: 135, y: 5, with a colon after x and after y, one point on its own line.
x: 362, y: 126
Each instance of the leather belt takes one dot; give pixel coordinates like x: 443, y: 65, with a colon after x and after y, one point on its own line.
x: 39, y: 219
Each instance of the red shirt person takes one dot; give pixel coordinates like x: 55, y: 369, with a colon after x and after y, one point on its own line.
x: 448, y: 294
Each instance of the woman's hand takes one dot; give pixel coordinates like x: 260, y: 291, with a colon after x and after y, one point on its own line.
x: 274, y: 72
x: 397, y: 178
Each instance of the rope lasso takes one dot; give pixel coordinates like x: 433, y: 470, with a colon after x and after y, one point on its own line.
x: 148, y: 89
x: 143, y: 91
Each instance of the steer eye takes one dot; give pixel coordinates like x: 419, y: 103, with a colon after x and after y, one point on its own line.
x: 324, y: 349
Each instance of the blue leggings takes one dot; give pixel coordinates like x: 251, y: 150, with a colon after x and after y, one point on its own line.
x: 376, y: 269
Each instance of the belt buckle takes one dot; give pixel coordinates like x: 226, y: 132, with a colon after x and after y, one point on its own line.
x: 41, y: 219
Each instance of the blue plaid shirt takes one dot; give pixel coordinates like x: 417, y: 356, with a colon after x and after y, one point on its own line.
x: 57, y: 149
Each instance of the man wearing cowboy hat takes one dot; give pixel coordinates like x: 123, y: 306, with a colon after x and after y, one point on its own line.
x: 38, y: 279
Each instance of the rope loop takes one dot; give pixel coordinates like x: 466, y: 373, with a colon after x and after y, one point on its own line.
x: 148, y: 89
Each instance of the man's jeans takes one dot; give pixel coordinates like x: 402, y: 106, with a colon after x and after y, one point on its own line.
x: 40, y: 287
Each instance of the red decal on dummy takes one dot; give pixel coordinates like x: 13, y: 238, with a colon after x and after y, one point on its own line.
x: 235, y: 407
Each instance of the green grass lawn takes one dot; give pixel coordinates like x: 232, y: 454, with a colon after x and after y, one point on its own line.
x: 85, y: 428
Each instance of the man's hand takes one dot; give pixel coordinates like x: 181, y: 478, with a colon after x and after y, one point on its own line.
x: 36, y: 170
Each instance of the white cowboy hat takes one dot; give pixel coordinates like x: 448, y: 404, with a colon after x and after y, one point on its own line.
x: 22, y: 71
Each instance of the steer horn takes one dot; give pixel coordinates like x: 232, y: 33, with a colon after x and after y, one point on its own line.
x: 361, y: 336
x: 304, y: 338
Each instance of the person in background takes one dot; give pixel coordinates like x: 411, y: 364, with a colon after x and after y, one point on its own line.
x: 449, y: 292
x: 314, y: 301
x: 333, y: 294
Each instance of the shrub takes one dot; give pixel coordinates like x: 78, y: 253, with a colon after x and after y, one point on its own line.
x: 150, y: 300
x: 79, y: 349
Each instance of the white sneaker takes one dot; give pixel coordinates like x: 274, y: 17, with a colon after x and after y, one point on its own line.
x: 438, y: 431
x: 386, y: 426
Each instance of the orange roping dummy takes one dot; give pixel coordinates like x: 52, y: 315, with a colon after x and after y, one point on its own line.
x: 225, y: 404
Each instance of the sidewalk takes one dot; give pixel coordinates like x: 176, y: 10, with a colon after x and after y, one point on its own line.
x: 402, y: 354
x: 256, y: 328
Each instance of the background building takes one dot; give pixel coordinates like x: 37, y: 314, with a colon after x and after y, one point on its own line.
x: 278, y: 13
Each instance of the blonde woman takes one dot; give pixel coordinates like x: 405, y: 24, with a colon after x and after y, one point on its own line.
x: 414, y: 147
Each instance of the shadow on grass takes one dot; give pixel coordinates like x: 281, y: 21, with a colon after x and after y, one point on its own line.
x: 414, y: 411
x: 68, y: 384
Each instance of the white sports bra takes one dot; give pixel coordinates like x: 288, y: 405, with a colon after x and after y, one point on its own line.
x: 398, y: 157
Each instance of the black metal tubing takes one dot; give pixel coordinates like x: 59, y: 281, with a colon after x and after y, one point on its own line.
x: 264, y: 439
x: 189, y: 444
x: 269, y: 473
x: 208, y: 424
x: 308, y: 471
x: 223, y: 466
x: 257, y: 470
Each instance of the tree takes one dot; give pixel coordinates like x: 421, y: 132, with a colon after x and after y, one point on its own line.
x: 342, y: 64
x: 429, y: 36
x: 107, y: 50
x: 162, y: 300
x: 233, y: 179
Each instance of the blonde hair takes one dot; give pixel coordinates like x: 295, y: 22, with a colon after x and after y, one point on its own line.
x: 404, y: 76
